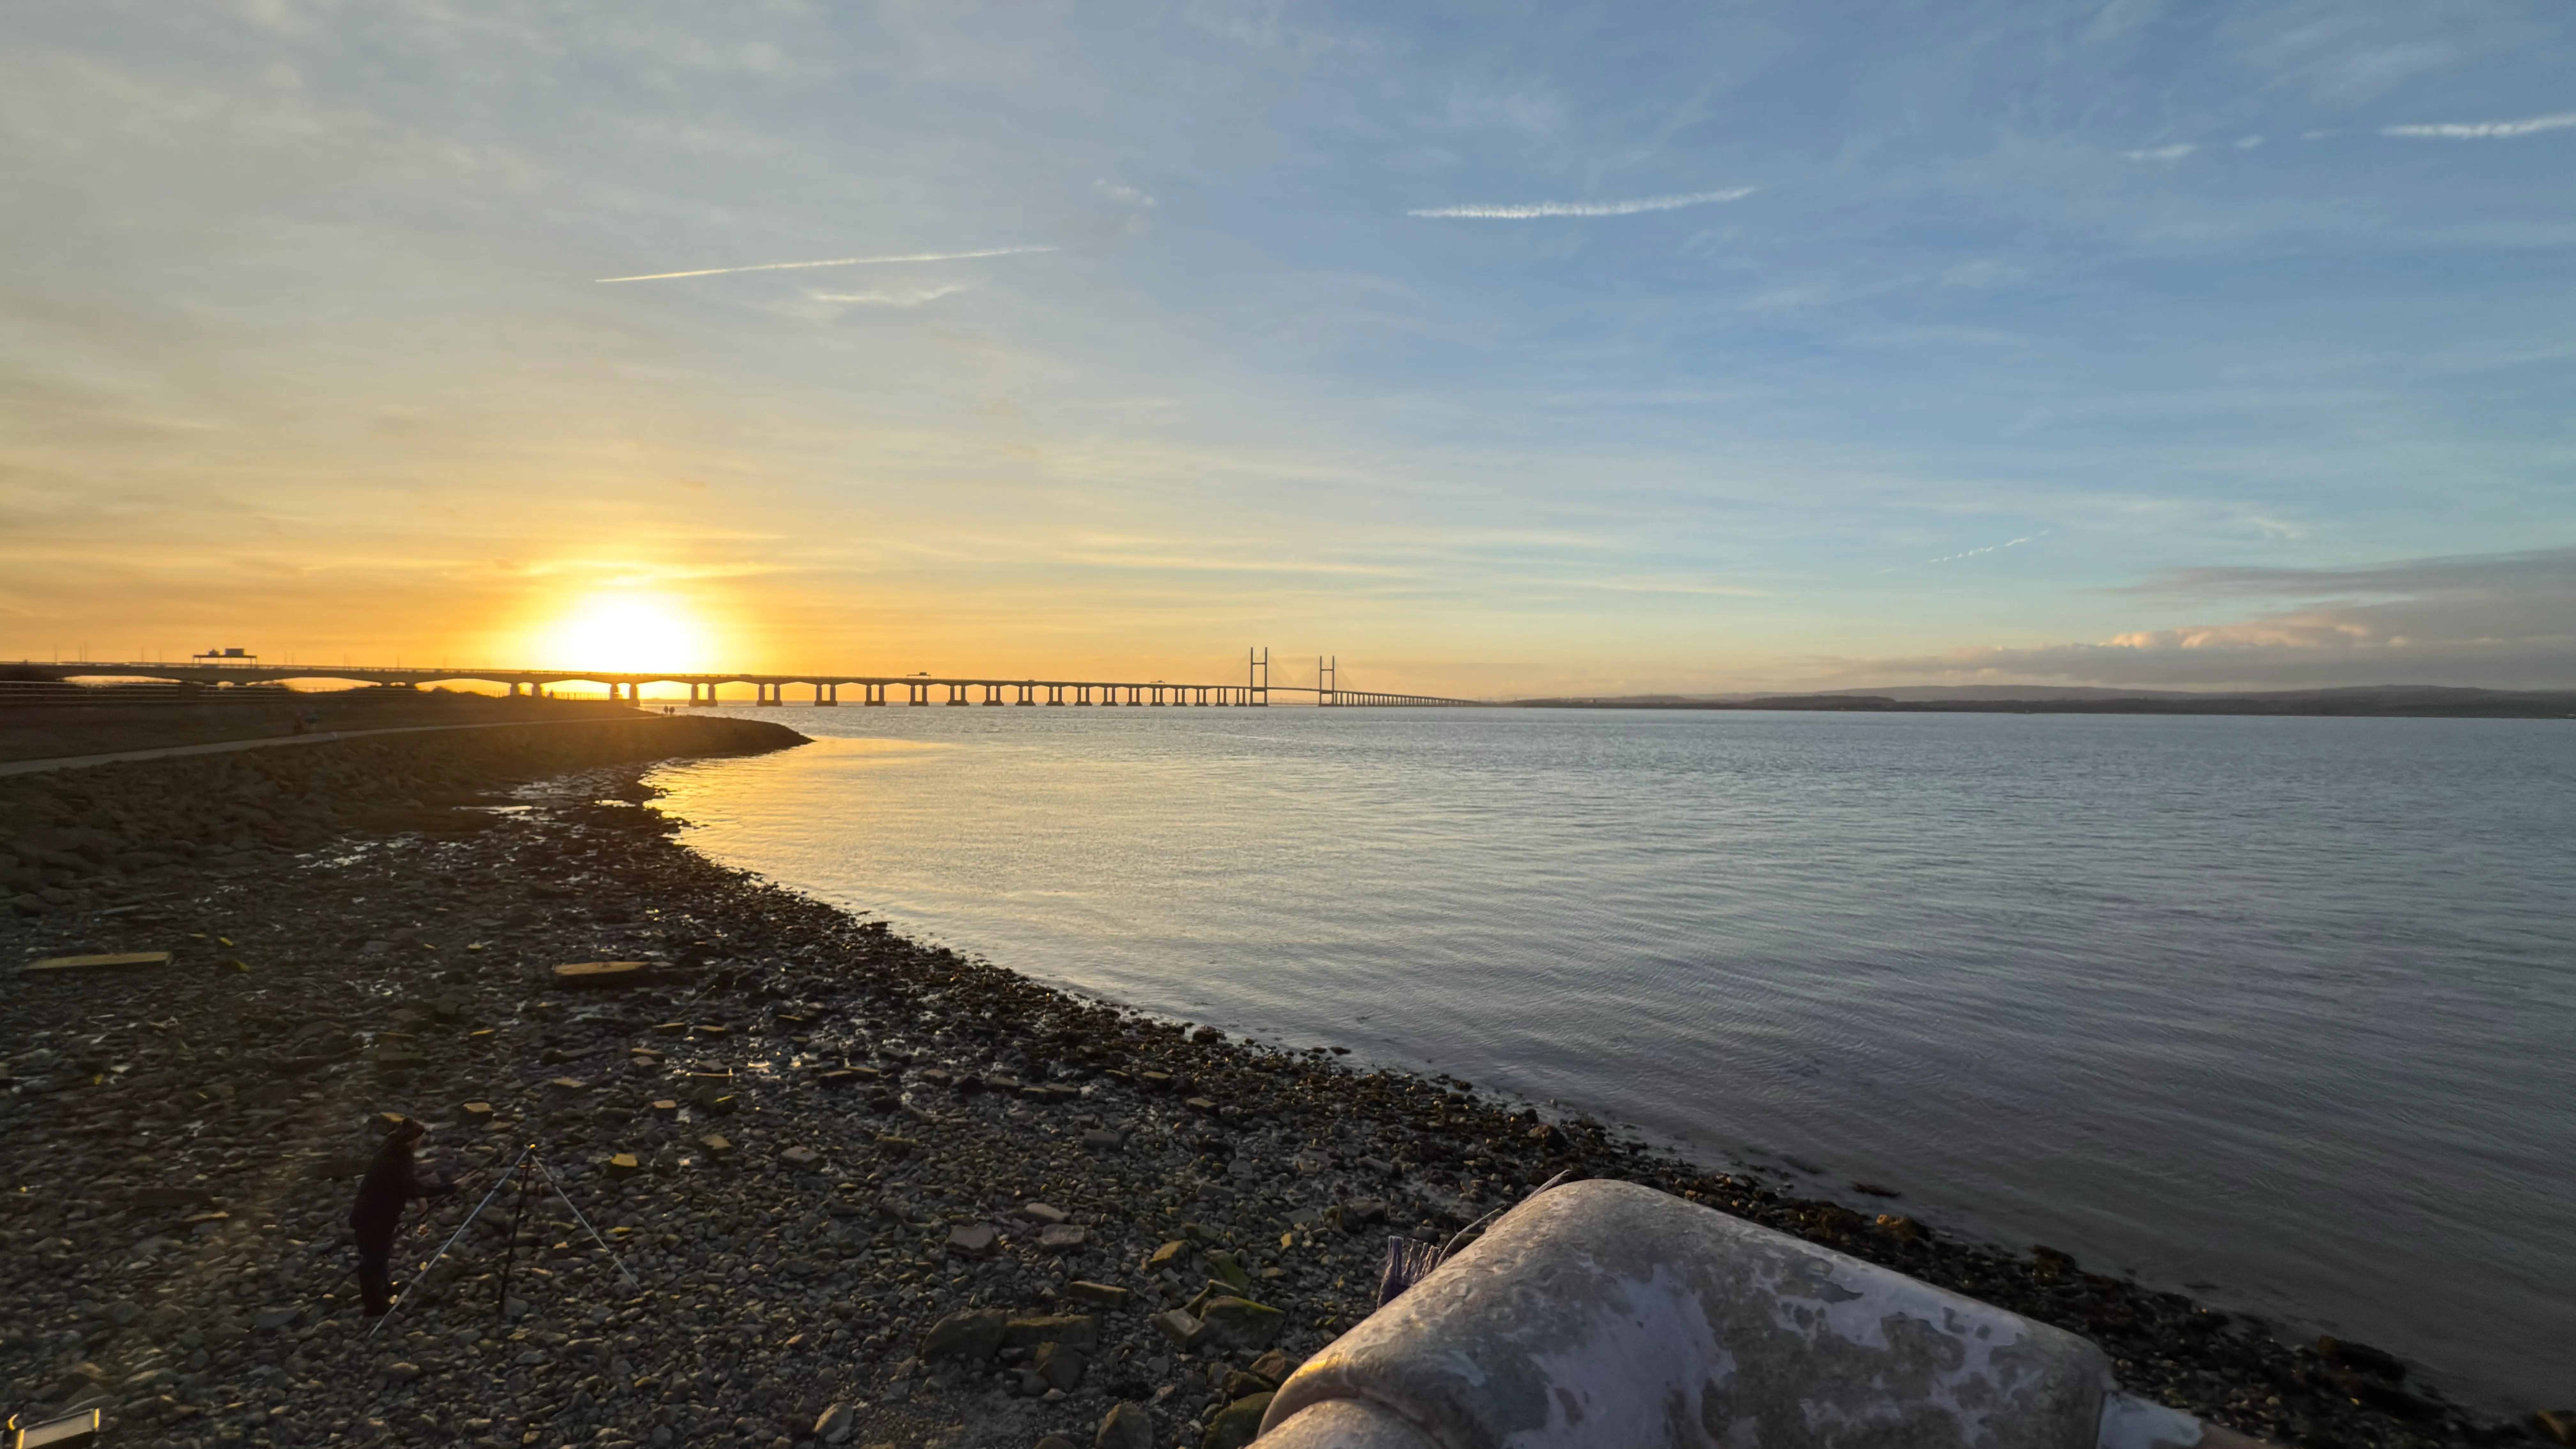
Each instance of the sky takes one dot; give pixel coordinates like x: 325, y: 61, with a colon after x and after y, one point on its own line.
x: 1492, y: 349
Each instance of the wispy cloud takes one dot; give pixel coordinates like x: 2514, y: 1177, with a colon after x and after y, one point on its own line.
x: 909, y: 297
x: 2162, y: 153
x: 2499, y: 620
x: 1526, y: 210
x: 1975, y: 552
x: 834, y: 262
x: 2539, y: 571
x: 2483, y: 130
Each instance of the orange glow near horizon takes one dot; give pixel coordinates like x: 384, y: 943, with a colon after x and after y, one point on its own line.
x: 623, y: 632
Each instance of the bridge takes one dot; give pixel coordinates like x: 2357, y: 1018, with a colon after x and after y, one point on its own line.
x: 223, y: 668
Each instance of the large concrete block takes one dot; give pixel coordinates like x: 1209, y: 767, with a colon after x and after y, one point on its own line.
x: 1605, y: 1315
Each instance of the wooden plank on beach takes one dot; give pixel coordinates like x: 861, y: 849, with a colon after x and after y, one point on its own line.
x: 101, y: 962
x: 600, y: 975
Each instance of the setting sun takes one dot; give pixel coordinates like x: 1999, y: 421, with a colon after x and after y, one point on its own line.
x: 627, y: 632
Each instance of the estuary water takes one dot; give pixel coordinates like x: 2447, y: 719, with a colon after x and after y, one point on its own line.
x: 2278, y: 1011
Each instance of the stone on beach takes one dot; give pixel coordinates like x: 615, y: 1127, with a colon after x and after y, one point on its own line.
x: 1125, y: 1426
x: 1105, y: 1295
x: 975, y: 1335
x: 1238, y: 1423
x: 1079, y: 1330
x: 604, y: 975
x: 1239, y: 1323
x: 102, y: 961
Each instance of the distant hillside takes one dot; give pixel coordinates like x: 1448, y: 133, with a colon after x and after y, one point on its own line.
x: 2408, y: 700
x: 1933, y: 693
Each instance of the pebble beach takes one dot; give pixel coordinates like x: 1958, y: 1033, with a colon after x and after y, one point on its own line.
x: 802, y: 1178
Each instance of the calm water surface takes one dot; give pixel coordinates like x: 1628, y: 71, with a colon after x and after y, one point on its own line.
x: 2281, y: 1011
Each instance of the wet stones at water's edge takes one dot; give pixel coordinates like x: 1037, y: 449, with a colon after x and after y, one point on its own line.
x: 870, y: 1192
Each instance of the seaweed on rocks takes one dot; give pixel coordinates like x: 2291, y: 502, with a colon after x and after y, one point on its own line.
x: 872, y: 1191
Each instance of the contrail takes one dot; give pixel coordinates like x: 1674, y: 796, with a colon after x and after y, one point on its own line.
x: 1584, y: 208
x: 835, y: 262
x: 2482, y: 130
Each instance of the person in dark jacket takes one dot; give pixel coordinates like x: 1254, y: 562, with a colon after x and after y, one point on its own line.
x: 390, y: 1185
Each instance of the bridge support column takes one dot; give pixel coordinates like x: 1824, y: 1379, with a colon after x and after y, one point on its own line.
x: 1028, y: 694
x: 992, y: 694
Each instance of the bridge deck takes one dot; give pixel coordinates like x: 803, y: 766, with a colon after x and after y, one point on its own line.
x: 875, y: 687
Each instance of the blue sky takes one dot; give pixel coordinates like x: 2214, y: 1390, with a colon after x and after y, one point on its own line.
x: 1495, y: 350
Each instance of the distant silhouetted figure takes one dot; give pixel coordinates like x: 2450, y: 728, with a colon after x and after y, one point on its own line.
x: 390, y: 1185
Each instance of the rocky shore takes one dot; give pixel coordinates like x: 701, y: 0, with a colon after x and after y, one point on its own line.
x: 845, y: 1186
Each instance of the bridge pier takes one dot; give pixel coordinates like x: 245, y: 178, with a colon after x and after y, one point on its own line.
x: 820, y: 702
x: 768, y: 693
x: 1055, y: 694
x: 1028, y: 694
x: 992, y: 694
x: 872, y: 693
x: 957, y: 694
